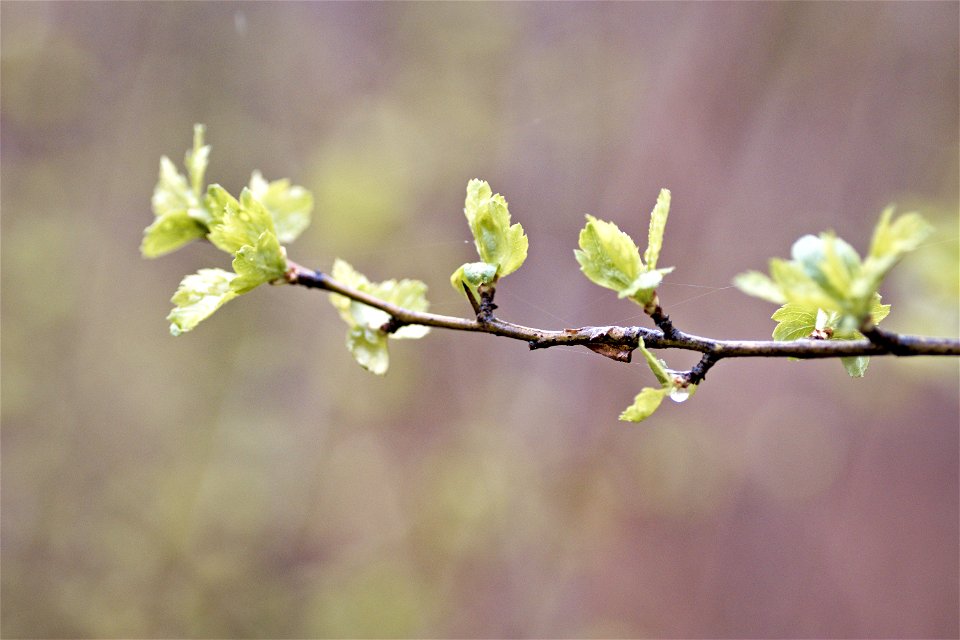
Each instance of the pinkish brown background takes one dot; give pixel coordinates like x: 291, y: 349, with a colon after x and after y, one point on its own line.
x: 249, y: 480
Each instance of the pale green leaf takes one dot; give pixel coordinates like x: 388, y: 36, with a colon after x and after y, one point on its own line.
x: 473, y: 274
x: 197, y: 159
x: 343, y: 272
x: 290, y: 205
x: 406, y: 293
x: 498, y: 242
x: 179, y: 216
x: 363, y: 315
x: 659, y: 367
x: 798, y: 287
x: 878, y: 310
x: 829, y: 261
x: 198, y: 296
x: 893, y: 239
x: 644, y: 404
x: 759, y: 285
x: 856, y: 366
x: 172, y: 192
x: 241, y: 222
x: 840, y: 267
x: 260, y: 263
x: 658, y: 222
x: 642, y: 288
x: 794, y: 322
x: 169, y: 232
x: 608, y: 256
x: 369, y: 349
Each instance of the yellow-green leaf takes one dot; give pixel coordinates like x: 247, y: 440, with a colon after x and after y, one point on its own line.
x: 607, y: 255
x: 290, y: 205
x: 259, y: 263
x: 497, y: 241
x: 658, y: 222
x: 169, y: 232
x: 644, y: 404
x: 237, y: 223
x: 659, y: 367
x: 759, y: 285
x: 794, y: 322
x: 473, y: 274
x: 369, y: 349
x: 199, y: 295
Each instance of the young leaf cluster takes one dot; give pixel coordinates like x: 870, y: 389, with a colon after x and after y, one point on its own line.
x: 826, y: 291
x: 611, y: 259
x: 251, y: 229
x: 502, y: 247
x: 369, y: 328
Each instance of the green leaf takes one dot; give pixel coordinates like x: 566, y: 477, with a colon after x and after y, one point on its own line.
x: 197, y: 159
x: 658, y: 222
x: 169, y: 232
x: 759, y: 285
x: 171, y: 192
x: 343, y: 272
x: 290, y: 205
x: 642, y: 288
x: 608, y: 256
x: 856, y: 366
x: 795, y: 322
x: 369, y: 349
x: 179, y: 216
x: 878, y: 310
x: 498, y: 242
x: 644, y: 404
x: 892, y: 240
x: 198, y: 296
x: 473, y: 274
x: 659, y: 367
x: 799, y: 287
x: 237, y: 223
x: 260, y: 263
x: 218, y: 202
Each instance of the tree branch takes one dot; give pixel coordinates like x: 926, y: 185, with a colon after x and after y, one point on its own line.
x: 618, y: 342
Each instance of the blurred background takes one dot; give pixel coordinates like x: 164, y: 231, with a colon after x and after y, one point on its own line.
x: 250, y: 480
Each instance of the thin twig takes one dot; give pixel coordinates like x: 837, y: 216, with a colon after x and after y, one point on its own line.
x: 617, y: 342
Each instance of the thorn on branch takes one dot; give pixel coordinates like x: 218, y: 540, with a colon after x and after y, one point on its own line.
x: 471, y: 298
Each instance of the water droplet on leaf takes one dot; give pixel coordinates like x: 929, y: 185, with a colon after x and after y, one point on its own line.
x: 679, y: 394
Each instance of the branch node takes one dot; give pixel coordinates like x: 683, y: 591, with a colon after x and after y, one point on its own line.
x: 698, y: 371
x: 392, y: 325
x: 486, y: 307
x: 889, y: 341
x: 662, y: 320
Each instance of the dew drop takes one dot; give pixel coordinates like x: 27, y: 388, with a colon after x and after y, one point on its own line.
x: 679, y: 394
